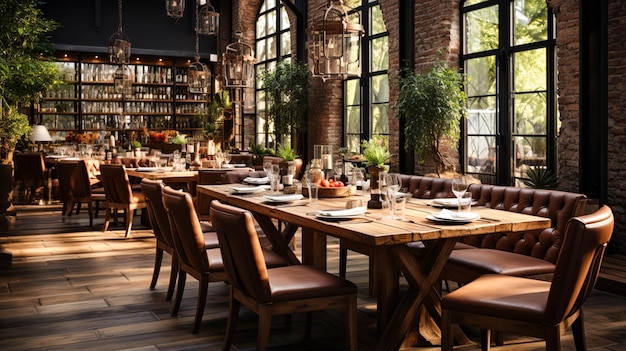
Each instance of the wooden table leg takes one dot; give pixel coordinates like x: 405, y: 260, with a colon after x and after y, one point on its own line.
x: 314, y: 249
x: 279, y: 240
x: 422, y: 275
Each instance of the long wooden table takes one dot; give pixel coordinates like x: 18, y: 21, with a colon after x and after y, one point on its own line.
x: 396, y: 317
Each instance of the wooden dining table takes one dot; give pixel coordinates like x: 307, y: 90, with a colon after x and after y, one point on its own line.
x: 397, y: 315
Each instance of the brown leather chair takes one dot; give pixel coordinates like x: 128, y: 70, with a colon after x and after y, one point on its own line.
x: 30, y: 174
x: 119, y: 195
x: 65, y: 172
x: 194, y: 258
x: 153, y: 191
x: 80, y: 186
x: 281, y: 290
x: 237, y: 177
x: 532, y: 307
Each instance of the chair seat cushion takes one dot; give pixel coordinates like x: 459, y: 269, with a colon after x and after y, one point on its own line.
x: 493, y: 261
x: 501, y: 296
x: 272, y: 259
x: 302, y: 282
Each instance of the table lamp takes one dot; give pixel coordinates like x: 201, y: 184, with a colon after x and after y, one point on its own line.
x: 40, y: 134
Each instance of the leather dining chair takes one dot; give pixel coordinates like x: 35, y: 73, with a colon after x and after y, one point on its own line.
x: 537, y: 308
x: 194, y: 258
x: 282, y: 290
x: 65, y: 172
x: 119, y: 195
x: 159, y: 221
x: 30, y: 174
x: 80, y: 186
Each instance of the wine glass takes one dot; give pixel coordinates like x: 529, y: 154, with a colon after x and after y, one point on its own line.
x: 267, y: 167
x: 338, y: 170
x: 227, y: 158
x: 459, y: 187
x: 393, y: 183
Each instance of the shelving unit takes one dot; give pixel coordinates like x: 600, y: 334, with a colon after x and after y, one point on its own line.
x: 87, y: 101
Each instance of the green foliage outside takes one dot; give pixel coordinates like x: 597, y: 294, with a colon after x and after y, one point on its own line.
x: 431, y: 105
x: 287, y: 88
x: 541, y: 178
x: 23, y: 75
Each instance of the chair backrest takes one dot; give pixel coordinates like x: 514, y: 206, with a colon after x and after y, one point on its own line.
x: 81, y: 187
x: 116, y: 183
x: 236, y: 177
x: 153, y: 191
x: 579, y: 261
x: 210, y: 176
x: 30, y: 168
x: 241, y: 250
x: 65, y: 173
x: 185, y: 228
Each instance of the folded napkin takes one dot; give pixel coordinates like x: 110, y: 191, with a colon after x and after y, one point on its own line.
x: 250, y: 190
x: 446, y: 202
x: 147, y: 169
x: 357, y: 211
x: 455, y: 216
x: 284, y: 198
x: 252, y: 180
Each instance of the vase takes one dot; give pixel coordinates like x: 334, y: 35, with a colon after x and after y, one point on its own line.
x: 374, y: 201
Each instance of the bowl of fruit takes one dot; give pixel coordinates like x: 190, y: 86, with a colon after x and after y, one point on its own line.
x: 331, y: 188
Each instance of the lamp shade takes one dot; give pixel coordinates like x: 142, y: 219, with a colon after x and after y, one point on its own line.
x: 40, y: 133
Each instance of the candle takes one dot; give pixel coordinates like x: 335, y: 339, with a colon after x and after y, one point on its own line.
x: 190, y: 148
x: 327, y: 161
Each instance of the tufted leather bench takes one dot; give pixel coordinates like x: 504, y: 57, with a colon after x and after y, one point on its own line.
x: 526, y: 253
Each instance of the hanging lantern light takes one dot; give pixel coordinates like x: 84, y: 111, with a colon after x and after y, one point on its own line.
x: 198, y: 74
x: 175, y: 8
x: 209, y: 20
x: 238, y: 62
x: 119, y: 46
x: 123, y: 81
x: 335, y: 44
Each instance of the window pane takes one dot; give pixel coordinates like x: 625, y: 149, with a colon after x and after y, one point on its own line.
x: 481, y: 121
x: 353, y: 119
x: 271, y: 22
x: 353, y: 143
x: 530, y: 151
x: 261, y: 53
x: 285, y: 44
x: 353, y: 92
x: 481, y: 151
x: 530, y: 113
x: 530, y: 70
x: 376, y: 19
x: 271, y: 48
x: 482, y: 76
x: 379, y: 54
x: 260, y: 101
x: 531, y: 21
x: 472, y: 2
x: 270, y: 4
x: 380, y: 88
x: 352, y: 3
x: 261, y: 24
x: 481, y: 29
x: 380, y: 120
x: 284, y: 18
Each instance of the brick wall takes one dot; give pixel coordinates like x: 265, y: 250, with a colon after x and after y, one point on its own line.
x: 617, y: 121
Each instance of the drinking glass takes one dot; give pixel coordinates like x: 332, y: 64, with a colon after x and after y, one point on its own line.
x: 338, y: 169
x: 227, y: 158
x: 459, y: 187
x: 310, y: 184
x: 267, y: 167
x: 393, y: 183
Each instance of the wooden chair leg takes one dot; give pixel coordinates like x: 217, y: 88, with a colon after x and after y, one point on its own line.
x: 353, y: 337
x: 265, y: 323
x: 129, y: 221
x: 78, y: 205
x: 90, y: 209
x: 202, y: 294
x: 308, y: 321
x: 107, y: 218
x: 180, y: 289
x: 158, y: 257
x: 485, y: 339
x: 447, y: 337
x: 343, y: 258
x: 231, y: 326
x: 578, y: 330
x: 553, y: 339
x: 173, y: 275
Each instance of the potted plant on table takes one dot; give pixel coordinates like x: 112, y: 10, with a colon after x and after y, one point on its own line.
x: 376, y: 154
x: 287, y: 167
x: 431, y: 105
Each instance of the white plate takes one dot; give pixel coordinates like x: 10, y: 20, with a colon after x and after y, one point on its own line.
x: 248, y: 189
x: 453, y: 217
x: 256, y: 181
x: 283, y: 198
x: 341, y: 213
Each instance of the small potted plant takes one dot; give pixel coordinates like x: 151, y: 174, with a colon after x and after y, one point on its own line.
x: 136, y: 145
x: 287, y: 167
x: 375, y: 154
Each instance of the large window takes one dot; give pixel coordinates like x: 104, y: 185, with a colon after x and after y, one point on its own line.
x: 273, y: 44
x: 366, y: 99
x: 508, y: 58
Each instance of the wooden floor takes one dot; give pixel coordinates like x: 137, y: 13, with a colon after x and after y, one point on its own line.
x: 73, y: 287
